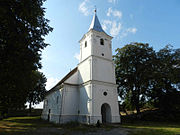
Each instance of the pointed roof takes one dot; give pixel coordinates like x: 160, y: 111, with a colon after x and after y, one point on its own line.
x: 95, y: 24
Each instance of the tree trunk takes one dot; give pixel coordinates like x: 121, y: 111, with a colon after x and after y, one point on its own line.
x: 30, y: 107
x: 137, y: 108
x: 137, y: 102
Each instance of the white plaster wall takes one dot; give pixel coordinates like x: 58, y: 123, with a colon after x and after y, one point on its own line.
x: 66, y: 109
x: 70, y: 100
x: 53, y: 105
x: 52, y: 102
x: 111, y: 98
x: 73, y: 79
x: 103, y: 70
x: 94, y: 47
x: 100, y: 72
x: 84, y: 70
x: 85, y: 51
x: 85, y: 106
x: 98, y: 49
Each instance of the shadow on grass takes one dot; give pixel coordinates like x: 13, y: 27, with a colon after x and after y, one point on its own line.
x: 22, y: 125
x: 34, y: 125
x: 153, y: 128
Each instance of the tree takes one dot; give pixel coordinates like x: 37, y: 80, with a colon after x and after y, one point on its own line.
x: 148, y: 77
x: 165, y: 92
x: 37, y: 93
x: 22, y: 31
x: 133, y: 67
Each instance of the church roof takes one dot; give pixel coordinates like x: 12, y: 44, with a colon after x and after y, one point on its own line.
x: 95, y: 24
x: 62, y: 80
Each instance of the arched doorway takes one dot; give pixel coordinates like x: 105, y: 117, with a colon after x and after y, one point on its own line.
x: 106, y: 113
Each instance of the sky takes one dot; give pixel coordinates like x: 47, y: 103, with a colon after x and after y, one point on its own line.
x: 156, y: 22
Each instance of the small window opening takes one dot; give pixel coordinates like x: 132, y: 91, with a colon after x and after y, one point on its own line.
x: 105, y: 93
x: 85, y: 43
x: 101, y: 41
x: 102, y: 54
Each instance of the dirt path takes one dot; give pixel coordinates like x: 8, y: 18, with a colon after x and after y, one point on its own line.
x: 115, y: 131
x: 59, y: 131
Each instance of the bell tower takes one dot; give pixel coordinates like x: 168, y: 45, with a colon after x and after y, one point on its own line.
x: 98, y: 89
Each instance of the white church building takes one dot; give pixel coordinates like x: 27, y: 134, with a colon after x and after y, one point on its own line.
x: 88, y: 93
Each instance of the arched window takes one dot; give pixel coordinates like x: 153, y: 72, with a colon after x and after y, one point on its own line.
x: 101, y: 41
x: 85, y: 43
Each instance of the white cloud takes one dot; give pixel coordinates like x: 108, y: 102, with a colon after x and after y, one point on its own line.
x: 104, y: 27
x: 109, y: 11
x: 83, y: 8
x: 77, y: 56
x: 132, y: 30
x: 115, y: 29
x: 111, y: 1
x: 106, y: 24
x: 113, y: 26
x: 115, y: 13
x: 128, y: 31
x: 51, y: 82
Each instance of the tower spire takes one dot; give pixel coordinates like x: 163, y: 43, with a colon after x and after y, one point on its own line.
x: 95, y: 24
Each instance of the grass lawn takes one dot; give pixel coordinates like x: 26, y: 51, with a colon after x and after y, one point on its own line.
x: 21, y: 125
x: 152, y: 128
x: 35, y: 126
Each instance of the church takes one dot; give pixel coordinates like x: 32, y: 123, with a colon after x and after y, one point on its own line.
x: 88, y: 93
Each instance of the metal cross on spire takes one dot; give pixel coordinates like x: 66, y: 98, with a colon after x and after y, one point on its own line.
x: 95, y: 24
x: 95, y: 10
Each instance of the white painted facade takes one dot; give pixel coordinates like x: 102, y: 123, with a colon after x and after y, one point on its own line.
x: 89, y: 92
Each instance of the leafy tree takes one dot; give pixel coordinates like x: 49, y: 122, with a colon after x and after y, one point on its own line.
x: 38, y: 90
x: 133, y: 65
x: 165, y: 92
x: 146, y: 77
x: 22, y: 31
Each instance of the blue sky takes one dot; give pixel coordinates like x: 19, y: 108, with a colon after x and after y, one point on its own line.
x: 156, y: 22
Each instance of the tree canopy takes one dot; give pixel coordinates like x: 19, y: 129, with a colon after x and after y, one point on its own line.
x: 22, y: 31
x: 165, y: 84
x: 148, y: 77
x: 38, y: 90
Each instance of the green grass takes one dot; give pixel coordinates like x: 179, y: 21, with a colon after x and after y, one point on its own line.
x: 35, y: 126
x: 153, y: 128
x: 22, y: 125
